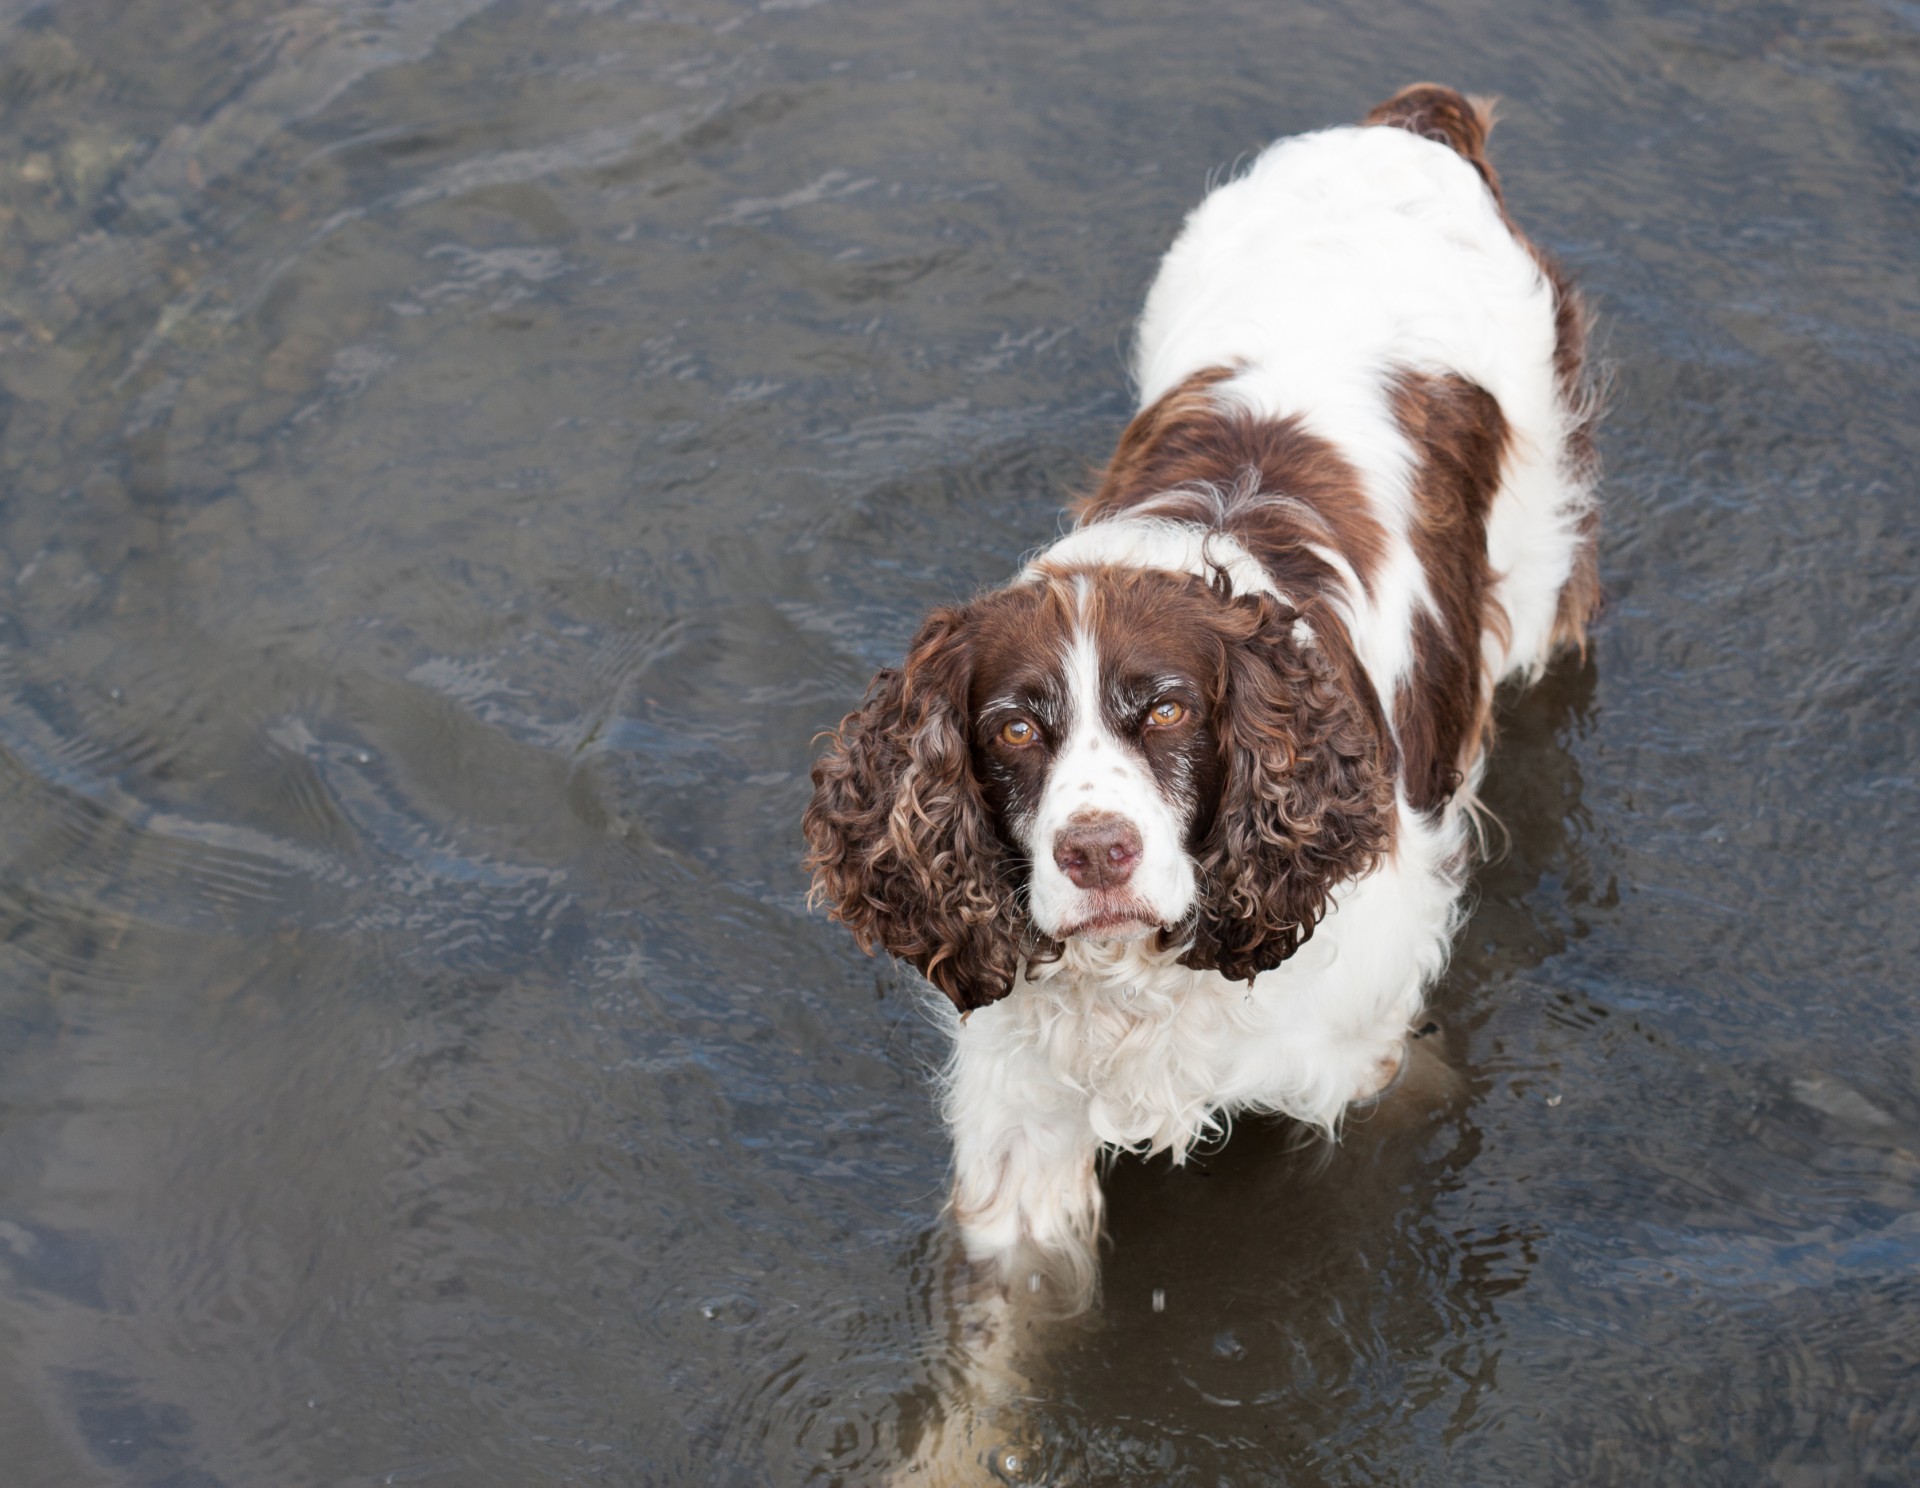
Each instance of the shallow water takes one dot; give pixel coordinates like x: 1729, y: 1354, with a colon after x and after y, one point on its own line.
x: 456, y: 455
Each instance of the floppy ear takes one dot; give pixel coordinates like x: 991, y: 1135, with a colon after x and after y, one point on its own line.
x: 1308, y: 800
x: 900, y: 842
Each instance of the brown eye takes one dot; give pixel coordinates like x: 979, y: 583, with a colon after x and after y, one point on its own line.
x: 1165, y: 714
x: 1019, y: 733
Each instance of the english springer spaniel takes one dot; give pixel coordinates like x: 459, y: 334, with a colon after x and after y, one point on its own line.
x: 1180, y: 818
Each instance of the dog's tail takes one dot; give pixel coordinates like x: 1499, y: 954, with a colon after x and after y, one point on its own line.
x: 1446, y: 117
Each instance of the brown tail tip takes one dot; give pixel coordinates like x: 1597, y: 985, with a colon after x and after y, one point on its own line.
x: 1445, y: 116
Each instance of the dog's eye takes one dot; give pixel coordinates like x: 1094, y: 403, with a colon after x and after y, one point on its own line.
x: 1019, y: 733
x: 1165, y: 714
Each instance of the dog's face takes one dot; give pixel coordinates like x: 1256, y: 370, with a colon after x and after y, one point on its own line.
x: 1092, y: 714
x: 1104, y: 754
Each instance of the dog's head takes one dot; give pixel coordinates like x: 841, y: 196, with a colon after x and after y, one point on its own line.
x: 1105, y: 753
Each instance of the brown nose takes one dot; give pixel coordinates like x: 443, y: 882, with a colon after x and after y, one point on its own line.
x: 1097, y: 850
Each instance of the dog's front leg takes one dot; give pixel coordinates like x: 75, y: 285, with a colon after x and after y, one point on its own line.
x: 1026, y: 1203
x: 1026, y: 1195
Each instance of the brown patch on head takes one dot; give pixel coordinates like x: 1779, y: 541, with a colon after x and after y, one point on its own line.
x: 1192, y: 456
x: 1443, y: 711
x: 1165, y: 637
x: 1158, y: 639
x: 1020, y: 644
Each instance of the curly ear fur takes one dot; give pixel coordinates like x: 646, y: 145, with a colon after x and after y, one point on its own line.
x: 1308, y: 801
x: 901, y: 845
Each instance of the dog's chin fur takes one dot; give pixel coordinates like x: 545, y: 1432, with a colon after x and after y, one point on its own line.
x: 1109, y: 930
x: 1249, y: 696
x: 1122, y: 964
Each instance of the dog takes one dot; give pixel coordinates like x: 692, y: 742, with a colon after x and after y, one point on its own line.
x: 1180, y: 819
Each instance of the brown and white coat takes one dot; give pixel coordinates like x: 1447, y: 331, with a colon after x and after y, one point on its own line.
x: 1179, y: 819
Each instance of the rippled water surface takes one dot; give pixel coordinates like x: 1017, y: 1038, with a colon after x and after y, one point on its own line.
x: 456, y: 455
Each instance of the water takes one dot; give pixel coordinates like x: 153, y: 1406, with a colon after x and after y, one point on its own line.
x: 456, y: 456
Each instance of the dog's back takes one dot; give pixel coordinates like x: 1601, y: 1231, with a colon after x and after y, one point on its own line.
x: 1345, y: 265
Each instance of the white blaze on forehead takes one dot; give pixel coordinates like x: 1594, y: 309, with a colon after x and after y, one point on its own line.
x: 1097, y: 770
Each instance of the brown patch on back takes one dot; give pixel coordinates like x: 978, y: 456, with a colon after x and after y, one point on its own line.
x: 1443, y: 711
x: 1185, y: 448
x: 1462, y: 124
x: 1162, y: 436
